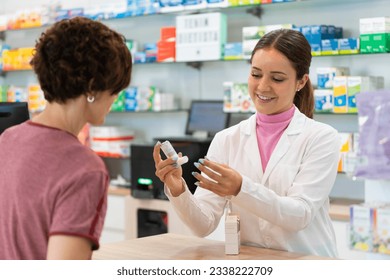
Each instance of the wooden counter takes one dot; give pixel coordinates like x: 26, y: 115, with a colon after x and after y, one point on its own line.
x: 112, y: 190
x: 180, y: 247
x: 339, y: 208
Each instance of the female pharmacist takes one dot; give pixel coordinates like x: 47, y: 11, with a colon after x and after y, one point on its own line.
x: 277, y: 167
x: 52, y: 188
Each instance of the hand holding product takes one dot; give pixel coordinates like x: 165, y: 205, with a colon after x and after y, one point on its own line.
x: 170, y: 152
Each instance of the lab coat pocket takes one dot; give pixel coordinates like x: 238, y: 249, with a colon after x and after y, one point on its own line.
x: 282, y: 178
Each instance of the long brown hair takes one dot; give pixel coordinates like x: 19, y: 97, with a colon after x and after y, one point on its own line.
x: 296, y: 48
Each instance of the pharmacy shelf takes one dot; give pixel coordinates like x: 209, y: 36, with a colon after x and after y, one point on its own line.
x: 249, y: 8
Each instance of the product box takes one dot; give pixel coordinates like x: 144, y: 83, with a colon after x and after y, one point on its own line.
x: 111, y: 141
x: 349, y: 45
x: 232, y: 234
x: 330, y: 47
x: 375, y: 43
x: 250, y: 36
x: 374, y: 25
x: 166, y: 47
x: 169, y: 6
x: 3, y: 93
x: 17, y: 94
x: 236, y: 98
x: 36, y: 99
x: 338, y: 32
x: 323, y: 100
x: 345, y: 149
x: 217, y: 3
x: 194, y: 4
x: 358, y: 84
x: 340, y: 94
x: 233, y: 51
x: 119, y: 103
x: 131, y: 103
x: 325, y: 76
x: 3, y: 22
x: 362, y: 223
x: 163, y: 101
x: 200, y: 37
x: 246, y: 2
x: 382, y: 230
x: 318, y: 33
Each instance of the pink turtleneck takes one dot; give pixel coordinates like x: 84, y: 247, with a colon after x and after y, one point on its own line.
x: 269, y: 129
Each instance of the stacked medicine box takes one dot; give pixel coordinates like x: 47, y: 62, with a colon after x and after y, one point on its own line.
x: 336, y: 91
x: 374, y: 35
x: 252, y: 34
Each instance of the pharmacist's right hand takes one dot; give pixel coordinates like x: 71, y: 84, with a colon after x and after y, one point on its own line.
x: 168, y: 171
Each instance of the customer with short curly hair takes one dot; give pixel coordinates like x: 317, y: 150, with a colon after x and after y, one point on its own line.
x: 53, y: 190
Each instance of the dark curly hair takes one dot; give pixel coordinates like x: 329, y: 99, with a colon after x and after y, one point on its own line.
x: 76, y: 56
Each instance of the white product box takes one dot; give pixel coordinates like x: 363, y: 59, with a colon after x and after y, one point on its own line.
x: 250, y: 36
x: 232, y: 235
x: 111, y: 141
x: 323, y: 100
x: 325, y: 75
x: 357, y: 84
x: 374, y: 25
x: 200, y: 37
x: 382, y: 231
x: 221, y: 3
x: 362, y: 220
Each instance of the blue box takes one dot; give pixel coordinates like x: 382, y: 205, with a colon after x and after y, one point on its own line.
x: 338, y: 32
x: 348, y: 45
x: 318, y: 33
x: 233, y: 51
x: 330, y: 47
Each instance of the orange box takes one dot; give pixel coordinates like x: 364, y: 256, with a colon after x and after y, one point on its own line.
x: 168, y: 33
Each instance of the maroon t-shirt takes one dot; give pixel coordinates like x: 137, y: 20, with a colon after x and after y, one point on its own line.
x: 49, y: 184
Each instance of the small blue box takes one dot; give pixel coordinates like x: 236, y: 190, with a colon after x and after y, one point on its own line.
x: 330, y: 47
x: 348, y: 45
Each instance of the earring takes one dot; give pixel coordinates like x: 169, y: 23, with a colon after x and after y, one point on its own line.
x: 298, y: 89
x: 90, y: 98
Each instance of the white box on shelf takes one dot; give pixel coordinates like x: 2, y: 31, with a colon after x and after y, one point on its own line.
x: 200, y: 37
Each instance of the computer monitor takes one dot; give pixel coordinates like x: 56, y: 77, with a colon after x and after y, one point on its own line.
x: 207, y: 117
x: 12, y: 113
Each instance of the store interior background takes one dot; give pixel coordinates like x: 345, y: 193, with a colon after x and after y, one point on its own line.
x: 189, y: 83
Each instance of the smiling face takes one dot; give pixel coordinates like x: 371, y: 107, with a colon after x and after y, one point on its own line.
x: 272, y: 82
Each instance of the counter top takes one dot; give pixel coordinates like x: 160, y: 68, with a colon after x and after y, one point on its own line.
x: 112, y: 190
x: 182, y: 247
x: 339, y: 208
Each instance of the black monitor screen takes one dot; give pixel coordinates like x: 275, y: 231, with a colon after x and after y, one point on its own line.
x: 206, y: 116
x: 12, y: 113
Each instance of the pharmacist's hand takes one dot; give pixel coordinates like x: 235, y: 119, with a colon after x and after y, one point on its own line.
x: 168, y: 171
x: 222, y: 179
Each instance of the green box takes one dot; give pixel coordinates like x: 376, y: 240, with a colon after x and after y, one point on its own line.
x: 3, y: 93
x: 375, y: 43
x: 381, y: 42
x: 119, y: 104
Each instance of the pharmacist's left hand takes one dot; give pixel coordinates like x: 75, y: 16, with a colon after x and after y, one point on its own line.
x: 222, y: 179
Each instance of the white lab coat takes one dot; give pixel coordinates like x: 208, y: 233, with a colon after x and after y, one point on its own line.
x: 285, y: 208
